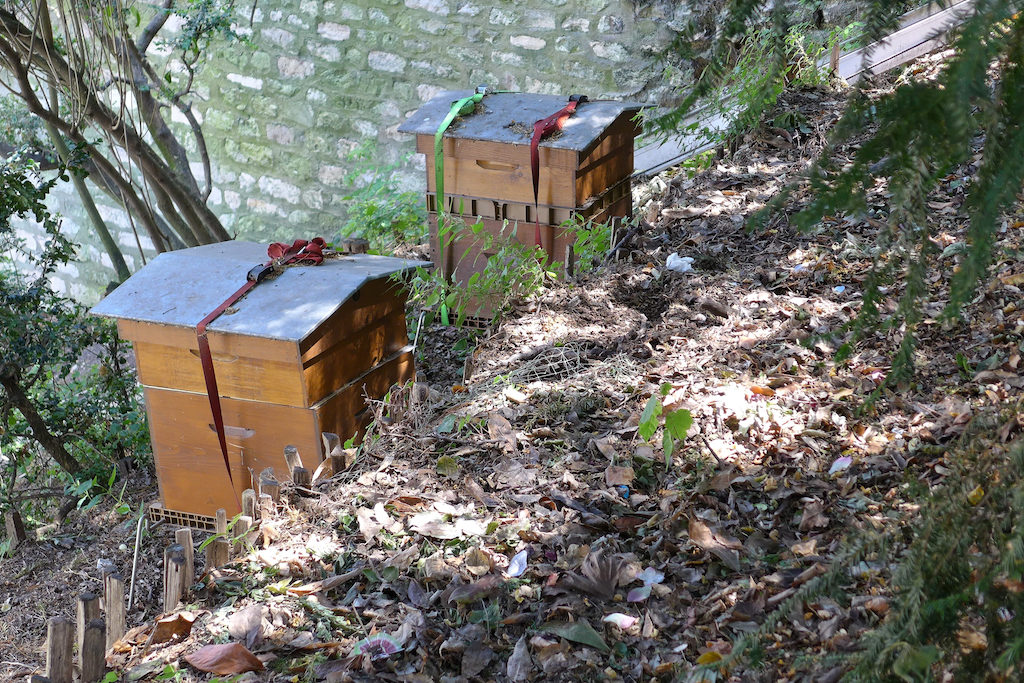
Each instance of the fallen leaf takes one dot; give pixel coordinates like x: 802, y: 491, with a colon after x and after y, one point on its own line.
x: 430, y: 523
x: 475, y: 591
x: 477, y: 561
x: 475, y: 659
x: 246, y: 625
x: 519, y: 664
x: 720, y: 545
x: 639, y: 594
x: 976, y: 494
x: 763, y: 391
x: 447, y: 466
x: 368, y: 525
x: 577, y: 631
x: 174, y: 627
x: 501, y: 431
x: 517, y: 565
x: 224, y: 660
x: 840, y: 464
x: 417, y: 596
x: 619, y: 476
x: 623, y: 621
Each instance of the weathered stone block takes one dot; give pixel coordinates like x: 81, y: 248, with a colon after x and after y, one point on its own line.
x: 433, y: 6
x: 331, y: 31
x: 293, y: 67
x: 386, y: 61
x: 528, y: 42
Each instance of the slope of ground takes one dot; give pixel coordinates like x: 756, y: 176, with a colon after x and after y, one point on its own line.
x: 507, y: 521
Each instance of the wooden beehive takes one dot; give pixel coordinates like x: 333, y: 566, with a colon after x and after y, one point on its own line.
x: 293, y: 358
x: 584, y: 171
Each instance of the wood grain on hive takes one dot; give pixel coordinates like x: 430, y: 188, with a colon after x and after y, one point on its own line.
x: 293, y: 358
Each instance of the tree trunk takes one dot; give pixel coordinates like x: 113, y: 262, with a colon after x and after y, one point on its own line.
x: 40, y: 432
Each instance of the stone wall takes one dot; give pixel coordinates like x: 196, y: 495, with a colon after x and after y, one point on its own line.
x: 321, y: 76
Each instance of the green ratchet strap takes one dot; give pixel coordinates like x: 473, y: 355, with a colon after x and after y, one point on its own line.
x: 461, y: 107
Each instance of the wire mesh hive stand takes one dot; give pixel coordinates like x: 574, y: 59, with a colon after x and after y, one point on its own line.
x: 293, y: 358
x: 584, y: 173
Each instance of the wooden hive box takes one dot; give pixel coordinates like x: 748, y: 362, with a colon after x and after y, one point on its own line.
x: 486, y: 154
x: 293, y: 359
x: 584, y: 173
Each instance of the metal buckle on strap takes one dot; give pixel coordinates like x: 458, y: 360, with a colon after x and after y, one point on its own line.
x: 260, y: 272
x: 578, y: 98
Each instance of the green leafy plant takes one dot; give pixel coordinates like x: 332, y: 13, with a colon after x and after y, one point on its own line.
x: 511, y: 270
x: 377, y: 209
x: 84, y: 421
x: 676, y: 423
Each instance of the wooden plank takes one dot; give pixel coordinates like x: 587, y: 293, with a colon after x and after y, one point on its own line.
x: 183, y: 537
x: 60, y: 633
x: 480, y: 177
x: 88, y: 610
x: 15, y: 529
x: 345, y: 413
x: 500, y: 152
x: 375, y: 300
x: 113, y: 599
x: 220, y: 343
x: 92, y: 652
x: 242, y: 377
x: 601, y: 172
x: 174, y: 576
x: 350, y: 357
x: 190, y: 469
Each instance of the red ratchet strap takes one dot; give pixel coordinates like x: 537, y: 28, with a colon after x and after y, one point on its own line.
x: 301, y: 251
x: 542, y: 129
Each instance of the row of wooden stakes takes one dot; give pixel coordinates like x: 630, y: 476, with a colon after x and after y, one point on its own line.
x: 96, y: 635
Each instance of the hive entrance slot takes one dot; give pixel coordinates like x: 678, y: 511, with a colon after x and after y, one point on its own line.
x: 496, y: 165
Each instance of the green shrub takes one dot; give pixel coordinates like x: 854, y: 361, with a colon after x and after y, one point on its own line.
x: 377, y: 210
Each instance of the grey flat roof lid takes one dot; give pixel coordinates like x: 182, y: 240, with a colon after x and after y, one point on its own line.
x: 182, y: 287
x: 493, y: 118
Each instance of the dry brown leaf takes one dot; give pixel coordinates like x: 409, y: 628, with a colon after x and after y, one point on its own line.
x: 721, y: 545
x: 247, y: 625
x: 501, y: 431
x: 619, y: 476
x: 224, y: 660
x: 174, y: 627
x: 519, y: 664
x: 601, y: 575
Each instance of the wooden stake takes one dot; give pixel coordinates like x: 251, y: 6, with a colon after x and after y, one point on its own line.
x: 60, y: 634
x: 88, y: 610
x: 302, y: 477
x: 221, y: 525
x: 270, y: 487
x: 291, y: 457
x: 92, y: 654
x: 242, y: 527
x: 249, y: 503
x: 218, y: 552
x: 267, y: 506
x: 183, y: 537
x: 334, y: 452
x: 174, y: 575
x: 15, y: 528
x: 113, y: 591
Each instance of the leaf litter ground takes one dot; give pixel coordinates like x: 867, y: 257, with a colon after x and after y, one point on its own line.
x: 507, y: 522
